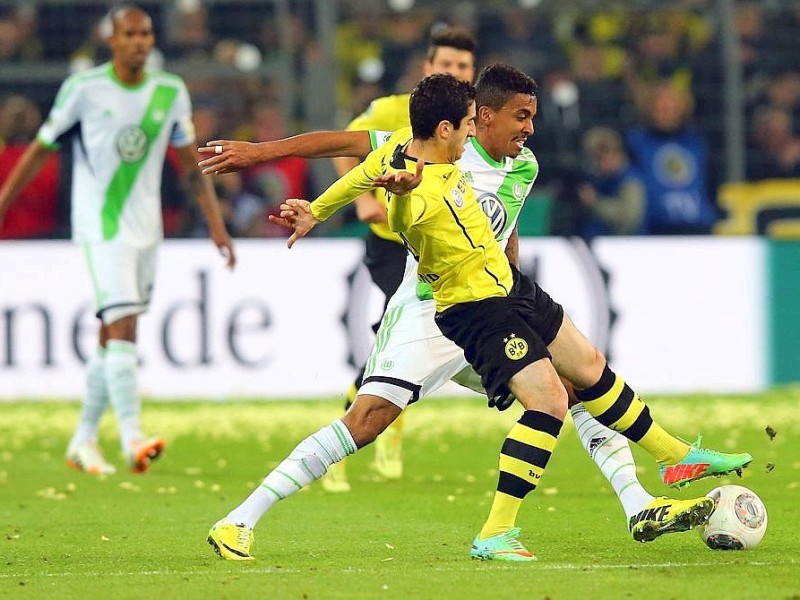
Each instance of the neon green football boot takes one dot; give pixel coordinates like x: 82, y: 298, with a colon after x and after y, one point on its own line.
x: 667, y: 515
x: 504, y: 546
x: 702, y: 462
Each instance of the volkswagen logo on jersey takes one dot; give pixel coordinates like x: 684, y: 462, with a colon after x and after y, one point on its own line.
x: 496, y: 211
x: 132, y: 144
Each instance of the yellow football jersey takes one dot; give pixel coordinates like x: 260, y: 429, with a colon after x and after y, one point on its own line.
x: 440, y: 221
x: 389, y: 113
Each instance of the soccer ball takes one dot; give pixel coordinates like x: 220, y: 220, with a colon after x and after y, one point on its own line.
x: 739, y: 520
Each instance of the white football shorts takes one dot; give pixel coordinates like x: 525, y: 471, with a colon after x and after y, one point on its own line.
x: 122, y: 277
x: 411, y: 358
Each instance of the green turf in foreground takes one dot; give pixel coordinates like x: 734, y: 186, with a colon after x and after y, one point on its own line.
x: 66, y: 535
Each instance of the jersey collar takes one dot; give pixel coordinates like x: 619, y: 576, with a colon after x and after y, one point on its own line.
x: 485, y: 155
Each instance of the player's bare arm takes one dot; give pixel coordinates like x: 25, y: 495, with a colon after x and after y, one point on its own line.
x: 29, y: 165
x: 228, y: 156
x: 295, y: 215
x: 200, y: 188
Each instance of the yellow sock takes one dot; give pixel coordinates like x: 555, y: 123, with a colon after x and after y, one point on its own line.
x: 523, y: 459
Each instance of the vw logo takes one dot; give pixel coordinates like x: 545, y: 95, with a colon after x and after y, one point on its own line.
x: 132, y: 144
x: 496, y: 212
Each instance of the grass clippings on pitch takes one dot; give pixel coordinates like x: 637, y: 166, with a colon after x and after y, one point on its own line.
x: 67, y: 535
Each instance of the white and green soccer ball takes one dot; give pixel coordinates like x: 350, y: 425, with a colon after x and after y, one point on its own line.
x: 739, y: 520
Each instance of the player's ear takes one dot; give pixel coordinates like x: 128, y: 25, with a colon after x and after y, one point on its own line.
x: 485, y: 114
x: 445, y: 127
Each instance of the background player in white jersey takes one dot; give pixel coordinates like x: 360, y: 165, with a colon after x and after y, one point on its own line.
x: 411, y: 358
x: 126, y: 117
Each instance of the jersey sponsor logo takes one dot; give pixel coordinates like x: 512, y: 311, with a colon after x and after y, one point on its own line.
x: 516, y: 348
x: 428, y: 277
x: 518, y: 190
x: 458, y: 198
x: 132, y: 144
x: 387, y: 364
x: 496, y: 211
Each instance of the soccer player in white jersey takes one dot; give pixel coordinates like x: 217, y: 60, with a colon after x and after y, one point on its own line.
x: 411, y: 357
x: 126, y: 117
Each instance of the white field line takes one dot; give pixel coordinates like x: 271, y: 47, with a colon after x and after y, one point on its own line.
x: 494, y: 567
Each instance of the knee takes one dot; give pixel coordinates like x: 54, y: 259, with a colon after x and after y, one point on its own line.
x: 367, y: 418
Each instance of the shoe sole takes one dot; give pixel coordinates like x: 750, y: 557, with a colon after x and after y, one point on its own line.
x: 503, y: 557
x: 738, y: 470
x: 74, y: 464
x: 694, y: 517
x: 145, y: 457
x: 236, y: 555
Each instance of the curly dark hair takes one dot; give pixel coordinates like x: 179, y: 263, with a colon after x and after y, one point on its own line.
x: 438, y: 98
x: 498, y: 82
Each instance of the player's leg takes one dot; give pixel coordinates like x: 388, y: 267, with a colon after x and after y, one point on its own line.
x: 613, y: 403
x: 125, y: 277
x: 83, y: 452
x: 513, y: 361
x: 232, y: 536
x: 647, y: 517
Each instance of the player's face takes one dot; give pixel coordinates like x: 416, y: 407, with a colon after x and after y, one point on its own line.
x: 506, y: 130
x: 458, y: 63
x: 132, y: 39
x: 466, y: 129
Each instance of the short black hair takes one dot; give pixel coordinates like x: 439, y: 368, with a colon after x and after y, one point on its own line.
x: 438, y: 98
x: 450, y: 37
x: 498, y: 82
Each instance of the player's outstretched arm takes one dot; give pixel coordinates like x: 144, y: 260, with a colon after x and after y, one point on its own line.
x: 23, y: 173
x: 295, y: 215
x: 227, y: 156
x: 200, y: 188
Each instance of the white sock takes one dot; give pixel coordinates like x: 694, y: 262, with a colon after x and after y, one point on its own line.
x: 612, y: 454
x: 122, y: 381
x: 308, y: 462
x: 94, y: 402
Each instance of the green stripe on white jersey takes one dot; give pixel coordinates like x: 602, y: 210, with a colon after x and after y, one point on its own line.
x: 119, y: 155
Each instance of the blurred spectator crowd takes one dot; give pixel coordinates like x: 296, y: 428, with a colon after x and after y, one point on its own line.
x: 631, y: 128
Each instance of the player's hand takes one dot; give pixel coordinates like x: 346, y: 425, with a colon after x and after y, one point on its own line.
x: 401, y: 182
x: 229, y: 156
x: 295, y: 215
x: 224, y: 242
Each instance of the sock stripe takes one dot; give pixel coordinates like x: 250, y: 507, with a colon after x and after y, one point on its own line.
x: 277, y: 495
x: 620, y: 449
x: 306, y: 469
x: 600, y: 388
x: 348, y: 448
x: 598, y: 429
x: 529, y: 454
x: 619, y: 468
x: 290, y: 478
x: 514, y: 486
x: 321, y: 445
x: 618, y: 409
x: 534, y: 419
x: 626, y: 486
x: 641, y: 426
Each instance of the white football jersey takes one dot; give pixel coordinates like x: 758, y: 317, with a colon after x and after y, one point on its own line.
x: 119, y: 150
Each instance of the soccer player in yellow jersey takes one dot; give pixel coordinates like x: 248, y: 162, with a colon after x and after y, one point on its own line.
x: 511, y: 331
x: 450, y: 50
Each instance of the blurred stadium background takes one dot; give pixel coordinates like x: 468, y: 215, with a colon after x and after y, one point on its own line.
x: 261, y: 69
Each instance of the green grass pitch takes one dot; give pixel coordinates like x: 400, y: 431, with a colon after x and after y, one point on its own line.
x: 68, y: 535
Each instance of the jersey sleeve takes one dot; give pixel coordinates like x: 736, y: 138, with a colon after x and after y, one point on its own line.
x: 183, y: 133
x: 378, y: 138
x: 354, y: 183
x: 379, y: 111
x: 405, y: 211
x: 64, y: 114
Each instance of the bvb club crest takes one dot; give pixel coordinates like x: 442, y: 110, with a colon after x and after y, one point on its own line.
x: 516, y: 348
